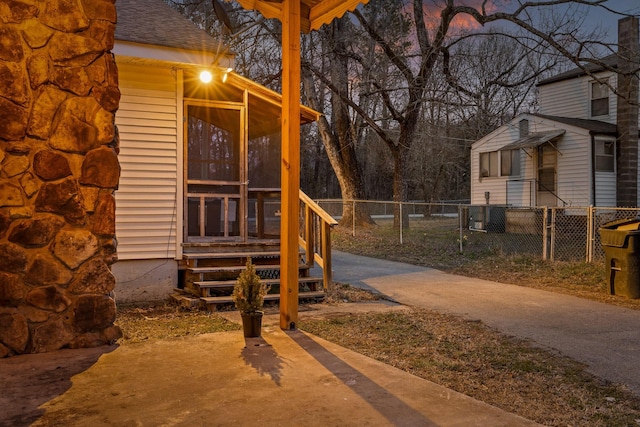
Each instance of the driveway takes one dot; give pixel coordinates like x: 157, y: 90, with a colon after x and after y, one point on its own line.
x: 604, y: 337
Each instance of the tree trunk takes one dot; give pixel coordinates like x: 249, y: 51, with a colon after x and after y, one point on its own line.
x: 338, y: 140
x: 400, y: 179
x: 347, y: 172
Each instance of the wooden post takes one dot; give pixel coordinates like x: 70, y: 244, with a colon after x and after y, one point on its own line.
x: 290, y: 202
x: 309, y: 235
x: 325, y: 241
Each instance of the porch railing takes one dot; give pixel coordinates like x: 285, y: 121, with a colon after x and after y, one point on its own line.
x: 315, y: 236
x: 518, y: 189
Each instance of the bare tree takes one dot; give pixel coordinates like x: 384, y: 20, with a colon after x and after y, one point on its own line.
x: 327, y: 57
x: 432, y: 42
x: 381, y: 77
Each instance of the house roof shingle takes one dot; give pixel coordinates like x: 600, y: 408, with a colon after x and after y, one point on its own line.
x: 153, y: 22
x: 594, y: 126
x: 609, y: 61
x: 534, y: 140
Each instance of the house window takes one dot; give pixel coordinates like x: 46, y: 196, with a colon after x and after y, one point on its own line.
x: 500, y: 163
x: 489, y: 164
x: 599, y: 99
x: 605, y: 156
x: 510, y: 163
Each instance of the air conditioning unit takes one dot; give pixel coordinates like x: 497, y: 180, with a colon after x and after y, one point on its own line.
x: 487, y: 218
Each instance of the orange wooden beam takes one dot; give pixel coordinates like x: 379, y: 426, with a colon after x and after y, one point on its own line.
x: 326, y: 11
x: 314, y: 13
x: 290, y: 174
x: 290, y: 13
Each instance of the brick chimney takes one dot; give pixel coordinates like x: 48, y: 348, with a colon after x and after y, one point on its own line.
x: 627, y: 116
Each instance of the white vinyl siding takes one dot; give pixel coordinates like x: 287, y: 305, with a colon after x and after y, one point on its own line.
x: 573, y: 170
x: 605, y: 179
x: 567, y: 98
x: 146, y: 201
x: 605, y: 189
x: 496, y: 186
x: 573, y: 176
x: 572, y: 98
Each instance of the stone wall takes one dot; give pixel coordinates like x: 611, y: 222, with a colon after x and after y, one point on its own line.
x: 58, y: 172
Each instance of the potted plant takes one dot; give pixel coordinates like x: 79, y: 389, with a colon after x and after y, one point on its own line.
x: 248, y: 296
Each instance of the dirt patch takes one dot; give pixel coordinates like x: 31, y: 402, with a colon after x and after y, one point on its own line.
x: 167, y: 320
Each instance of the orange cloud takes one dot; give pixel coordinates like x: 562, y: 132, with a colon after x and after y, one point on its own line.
x: 461, y: 22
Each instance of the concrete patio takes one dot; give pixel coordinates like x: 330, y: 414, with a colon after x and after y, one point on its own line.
x: 283, y: 379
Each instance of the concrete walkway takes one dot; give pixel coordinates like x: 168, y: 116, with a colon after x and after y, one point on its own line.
x: 604, y: 337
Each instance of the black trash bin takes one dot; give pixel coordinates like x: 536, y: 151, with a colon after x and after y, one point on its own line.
x: 621, y: 244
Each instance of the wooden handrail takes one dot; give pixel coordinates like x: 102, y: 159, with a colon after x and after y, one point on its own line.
x: 315, y: 237
x: 317, y: 209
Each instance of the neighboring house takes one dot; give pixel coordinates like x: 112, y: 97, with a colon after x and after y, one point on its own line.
x: 197, y: 159
x: 581, y: 150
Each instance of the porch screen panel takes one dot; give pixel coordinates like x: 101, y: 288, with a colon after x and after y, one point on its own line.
x: 214, y: 162
x: 214, y: 144
x: 264, y: 184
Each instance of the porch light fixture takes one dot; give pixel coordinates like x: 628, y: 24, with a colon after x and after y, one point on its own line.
x: 226, y: 74
x: 206, y: 76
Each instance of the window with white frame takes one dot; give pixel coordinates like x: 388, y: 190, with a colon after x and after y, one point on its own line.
x: 500, y: 163
x: 599, y: 99
x: 605, y: 152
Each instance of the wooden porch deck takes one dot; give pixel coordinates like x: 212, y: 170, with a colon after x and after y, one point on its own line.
x: 209, y: 270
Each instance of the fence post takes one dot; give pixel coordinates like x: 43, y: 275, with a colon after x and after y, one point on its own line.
x: 400, y: 222
x: 353, y: 219
x: 545, y: 215
x: 552, y: 239
x: 590, y: 233
x: 460, y: 227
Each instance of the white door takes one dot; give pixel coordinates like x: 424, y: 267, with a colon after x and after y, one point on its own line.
x: 547, y: 176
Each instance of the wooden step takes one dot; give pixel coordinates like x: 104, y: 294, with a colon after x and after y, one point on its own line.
x: 185, y: 300
x: 239, y: 268
x: 219, y: 255
x: 212, y: 301
x: 210, y: 284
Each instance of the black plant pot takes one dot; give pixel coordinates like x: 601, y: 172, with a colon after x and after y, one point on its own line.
x: 252, y: 324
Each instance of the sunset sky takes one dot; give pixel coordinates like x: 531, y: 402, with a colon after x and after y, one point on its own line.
x: 594, y: 17
x: 608, y: 20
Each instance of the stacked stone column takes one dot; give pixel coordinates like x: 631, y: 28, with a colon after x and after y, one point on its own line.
x: 627, y: 114
x: 58, y: 173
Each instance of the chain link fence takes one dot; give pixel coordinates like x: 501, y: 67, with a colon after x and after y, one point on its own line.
x: 551, y: 233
